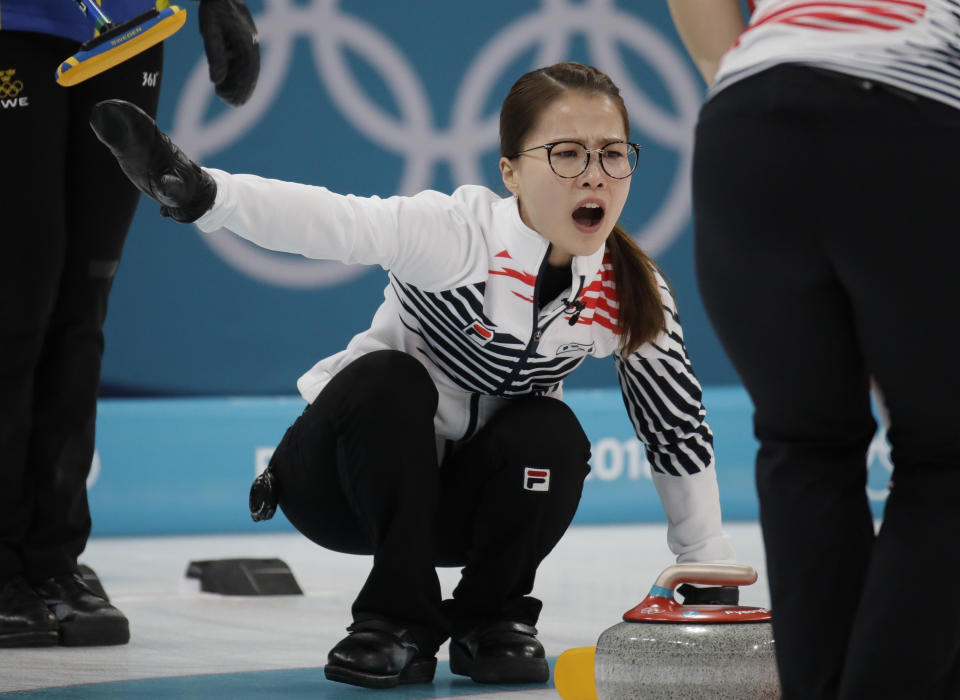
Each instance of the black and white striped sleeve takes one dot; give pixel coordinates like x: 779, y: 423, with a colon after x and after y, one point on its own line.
x: 664, y: 400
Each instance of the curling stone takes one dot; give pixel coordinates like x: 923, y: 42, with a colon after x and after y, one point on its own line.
x: 664, y: 649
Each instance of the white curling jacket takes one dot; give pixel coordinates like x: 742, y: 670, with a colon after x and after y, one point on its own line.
x: 463, y: 299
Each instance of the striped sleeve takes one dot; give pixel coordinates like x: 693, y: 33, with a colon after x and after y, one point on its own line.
x: 664, y: 400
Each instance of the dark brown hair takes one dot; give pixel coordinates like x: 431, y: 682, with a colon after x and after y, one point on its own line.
x: 640, y: 317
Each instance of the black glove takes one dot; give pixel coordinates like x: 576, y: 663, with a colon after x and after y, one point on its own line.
x: 232, y: 47
x: 152, y: 161
x: 263, y: 496
x: 715, y: 595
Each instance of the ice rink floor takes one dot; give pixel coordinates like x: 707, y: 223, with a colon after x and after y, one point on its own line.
x: 188, y: 644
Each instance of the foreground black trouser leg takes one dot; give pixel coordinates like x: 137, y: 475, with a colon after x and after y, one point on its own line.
x: 825, y: 259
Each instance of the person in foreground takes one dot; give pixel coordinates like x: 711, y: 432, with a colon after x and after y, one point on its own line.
x: 825, y: 200
x: 438, y: 437
x: 67, y: 211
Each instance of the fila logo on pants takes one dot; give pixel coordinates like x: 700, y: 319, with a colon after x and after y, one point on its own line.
x: 536, y: 479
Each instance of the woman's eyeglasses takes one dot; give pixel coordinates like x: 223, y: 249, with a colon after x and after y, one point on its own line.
x: 570, y: 159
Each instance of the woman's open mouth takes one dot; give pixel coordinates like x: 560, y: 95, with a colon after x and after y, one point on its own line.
x: 588, y: 216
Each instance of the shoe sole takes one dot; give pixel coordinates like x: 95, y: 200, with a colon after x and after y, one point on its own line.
x: 417, y: 672
x: 29, y: 639
x: 502, y: 670
x: 94, y: 632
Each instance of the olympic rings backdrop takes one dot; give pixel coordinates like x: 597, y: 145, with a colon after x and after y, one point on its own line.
x: 373, y: 97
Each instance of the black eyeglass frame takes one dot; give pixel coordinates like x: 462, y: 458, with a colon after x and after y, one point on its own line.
x: 548, y: 147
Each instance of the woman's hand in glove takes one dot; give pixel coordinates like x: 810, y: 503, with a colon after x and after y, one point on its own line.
x: 232, y: 47
x: 264, y: 496
x: 152, y: 161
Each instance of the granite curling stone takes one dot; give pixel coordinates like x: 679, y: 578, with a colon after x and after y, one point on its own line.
x: 664, y: 650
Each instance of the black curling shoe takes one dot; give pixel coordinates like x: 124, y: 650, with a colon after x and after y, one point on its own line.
x: 502, y: 652
x: 85, y: 617
x: 378, y: 654
x: 25, y: 621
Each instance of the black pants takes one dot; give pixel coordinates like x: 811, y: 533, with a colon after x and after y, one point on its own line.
x: 827, y: 244
x: 358, y: 473
x: 66, y: 211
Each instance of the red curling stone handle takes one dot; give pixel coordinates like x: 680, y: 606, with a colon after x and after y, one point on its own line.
x: 660, y: 605
x: 711, y: 574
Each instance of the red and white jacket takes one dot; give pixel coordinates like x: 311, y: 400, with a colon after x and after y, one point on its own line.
x: 463, y: 298
x: 913, y: 45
